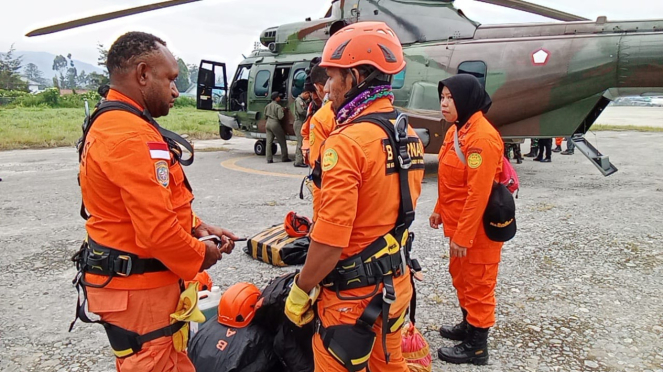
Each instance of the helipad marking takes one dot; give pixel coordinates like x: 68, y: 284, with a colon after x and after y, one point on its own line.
x: 231, y: 164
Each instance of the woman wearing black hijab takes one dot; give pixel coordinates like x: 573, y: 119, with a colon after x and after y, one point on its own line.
x: 470, y: 160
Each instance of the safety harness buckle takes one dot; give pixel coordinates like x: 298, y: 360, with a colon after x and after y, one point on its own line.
x: 123, y: 265
x: 388, y: 293
x: 405, y: 162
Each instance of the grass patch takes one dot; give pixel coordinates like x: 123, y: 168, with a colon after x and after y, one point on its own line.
x: 636, y: 128
x: 210, y: 149
x: 40, y: 127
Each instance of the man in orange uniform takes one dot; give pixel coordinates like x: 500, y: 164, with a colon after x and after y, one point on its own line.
x: 316, y: 80
x: 360, y: 199
x: 319, y: 125
x: 139, y: 204
x: 465, y: 179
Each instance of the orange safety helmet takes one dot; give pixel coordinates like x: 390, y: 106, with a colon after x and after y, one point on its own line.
x: 365, y: 43
x: 238, y: 305
x: 204, y: 279
x: 295, y: 225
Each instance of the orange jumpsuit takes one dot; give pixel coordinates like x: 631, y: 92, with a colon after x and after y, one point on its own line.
x: 359, y: 203
x: 138, y: 203
x: 558, y: 141
x: 463, y: 192
x: 306, y: 146
x: 322, y: 124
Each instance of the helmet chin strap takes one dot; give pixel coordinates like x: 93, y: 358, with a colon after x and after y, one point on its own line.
x: 358, y: 88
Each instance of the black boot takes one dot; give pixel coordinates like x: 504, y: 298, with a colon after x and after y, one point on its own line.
x: 518, y: 154
x: 473, y: 350
x: 557, y: 149
x: 457, y: 332
x: 533, y: 151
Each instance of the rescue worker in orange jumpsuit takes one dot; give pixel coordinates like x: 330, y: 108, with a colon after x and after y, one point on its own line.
x: 315, y: 84
x: 464, y: 186
x: 139, y: 208
x: 558, y: 144
x: 360, y: 197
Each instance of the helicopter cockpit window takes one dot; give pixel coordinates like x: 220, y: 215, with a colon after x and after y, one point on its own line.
x: 261, y: 87
x: 398, y: 81
x: 476, y: 68
x: 298, y: 82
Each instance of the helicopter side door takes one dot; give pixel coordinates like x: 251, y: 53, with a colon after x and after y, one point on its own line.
x: 295, y: 88
x: 212, y: 91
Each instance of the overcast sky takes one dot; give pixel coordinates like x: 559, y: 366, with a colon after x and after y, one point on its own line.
x: 222, y: 30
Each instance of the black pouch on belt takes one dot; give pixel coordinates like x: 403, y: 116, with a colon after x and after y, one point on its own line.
x: 126, y: 343
x: 350, y: 345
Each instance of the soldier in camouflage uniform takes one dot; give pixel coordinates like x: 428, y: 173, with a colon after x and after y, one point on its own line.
x: 301, y: 103
x: 274, y: 114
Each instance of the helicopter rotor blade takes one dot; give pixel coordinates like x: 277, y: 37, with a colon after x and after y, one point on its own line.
x: 105, y: 17
x: 536, y: 9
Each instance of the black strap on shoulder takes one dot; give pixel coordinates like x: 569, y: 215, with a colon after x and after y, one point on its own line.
x: 173, y: 139
x: 397, y: 135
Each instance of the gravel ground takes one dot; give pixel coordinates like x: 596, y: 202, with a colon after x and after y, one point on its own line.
x: 579, y: 287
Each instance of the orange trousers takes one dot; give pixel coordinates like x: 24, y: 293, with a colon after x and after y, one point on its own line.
x: 558, y: 141
x: 142, y: 311
x: 333, y: 311
x: 475, y: 285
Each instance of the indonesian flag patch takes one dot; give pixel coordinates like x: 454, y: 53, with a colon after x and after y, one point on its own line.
x: 158, y: 150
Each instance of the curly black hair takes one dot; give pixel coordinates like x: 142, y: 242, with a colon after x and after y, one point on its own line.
x: 127, y: 48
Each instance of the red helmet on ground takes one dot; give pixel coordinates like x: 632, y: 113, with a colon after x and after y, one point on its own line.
x: 365, y: 43
x: 295, y: 225
x: 238, y: 305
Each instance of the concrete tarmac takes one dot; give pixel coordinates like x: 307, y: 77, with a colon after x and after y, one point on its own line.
x: 579, y: 287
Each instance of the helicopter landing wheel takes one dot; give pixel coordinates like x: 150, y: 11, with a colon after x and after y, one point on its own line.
x: 260, y: 145
x: 225, y: 133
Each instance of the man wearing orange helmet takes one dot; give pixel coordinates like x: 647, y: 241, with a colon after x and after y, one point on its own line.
x: 360, y: 240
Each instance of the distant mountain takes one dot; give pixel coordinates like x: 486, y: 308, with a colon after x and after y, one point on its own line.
x: 44, y: 61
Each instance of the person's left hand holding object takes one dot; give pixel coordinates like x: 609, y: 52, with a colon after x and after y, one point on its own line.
x: 227, y: 238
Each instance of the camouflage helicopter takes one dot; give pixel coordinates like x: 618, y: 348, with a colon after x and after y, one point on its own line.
x: 546, y: 79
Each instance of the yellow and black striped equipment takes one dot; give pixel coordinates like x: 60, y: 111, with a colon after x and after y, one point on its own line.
x: 274, y: 246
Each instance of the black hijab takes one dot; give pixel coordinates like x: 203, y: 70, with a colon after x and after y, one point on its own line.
x: 469, y: 96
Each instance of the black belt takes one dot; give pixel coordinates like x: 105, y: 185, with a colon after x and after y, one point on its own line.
x: 98, y: 259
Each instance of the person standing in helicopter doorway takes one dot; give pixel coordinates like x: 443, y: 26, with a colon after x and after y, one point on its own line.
x: 274, y: 114
x: 301, y: 105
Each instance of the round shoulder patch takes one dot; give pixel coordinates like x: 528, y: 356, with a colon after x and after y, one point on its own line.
x: 162, y: 174
x: 474, y: 160
x: 329, y: 160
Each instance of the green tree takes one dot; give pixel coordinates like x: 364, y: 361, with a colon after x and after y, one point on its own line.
x: 33, y: 73
x: 193, y: 73
x: 10, y: 67
x: 60, y: 66
x: 103, y: 56
x: 83, y: 80
x: 95, y: 80
x: 67, y: 70
x: 182, y: 81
